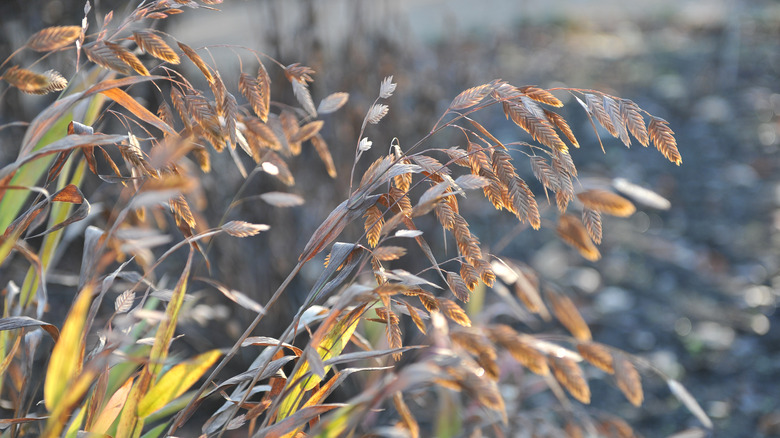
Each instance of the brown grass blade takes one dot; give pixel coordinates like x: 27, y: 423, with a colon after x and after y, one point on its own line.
x: 629, y: 381
x: 18, y: 322
x: 197, y: 60
x: 152, y: 44
x: 122, y: 98
x: 663, y: 138
x: 570, y: 375
x: 592, y: 221
x: 571, y: 231
x: 597, y: 355
x: 606, y: 202
x: 566, y: 312
x: 53, y: 38
x: 407, y: 419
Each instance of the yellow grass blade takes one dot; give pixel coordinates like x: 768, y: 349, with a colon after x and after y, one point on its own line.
x: 331, y: 345
x: 176, y: 381
x: 65, y: 363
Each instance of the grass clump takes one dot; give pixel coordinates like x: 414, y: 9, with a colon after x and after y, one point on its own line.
x: 117, y: 370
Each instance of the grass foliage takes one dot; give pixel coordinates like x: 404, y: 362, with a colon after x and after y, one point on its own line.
x: 426, y: 363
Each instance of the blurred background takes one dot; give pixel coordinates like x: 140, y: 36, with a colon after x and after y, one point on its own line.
x: 693, y: 288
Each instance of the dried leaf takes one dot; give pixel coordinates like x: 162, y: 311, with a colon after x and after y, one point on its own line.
x: 416, y: 316
x: 628, y: 381
x: 689, y: 401
x: 322, y: 150
x: 197, y: 60
x: 458, y: 286
x: 571, y: 230
x: 541, y: 95
x: 613, y: 111
x: 373, y: 225
x: 597, y: 355
x: 562, y: 125
x: 332, y: 103
x: 592, y: 221
x: 570, y: 375
x: 453, y: 311
x: 607, y: 202
x: 640, y: 194
x: 281, y: 199
x: 566, y: 312
x: 152, y: 44
x: 307, y: 131
x: 124, y: 302
x: 102, y: 55
x: 251, y: 90
x: 472, y: 96
x: 387, y: 87
x: 521, y: 350
x: 128, y: 58
x: 632, y: 117
x: 243, y: 229
x: 35, y: 83
x: 53, y: 38
x: 387, y: 253
x: 376, y: 113
x: 540, y: 129
x: 596, y: 108
x: 301, y: 92
x: 663, y: 138
x: 545, y: 173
